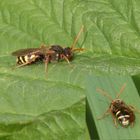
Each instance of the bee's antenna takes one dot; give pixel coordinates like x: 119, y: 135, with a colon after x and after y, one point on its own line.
x: 104, y: 93
x: 121, y: 90
x: 77, y: 38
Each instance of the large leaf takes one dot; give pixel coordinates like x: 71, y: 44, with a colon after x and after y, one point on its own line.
x: 39, y: 109
x: 111, y: 37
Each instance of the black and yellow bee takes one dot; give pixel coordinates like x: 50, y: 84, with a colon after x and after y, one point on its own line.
x: 119, y: 110
x: 46, y: 54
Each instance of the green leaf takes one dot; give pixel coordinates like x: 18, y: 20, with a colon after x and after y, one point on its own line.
x: 111, y: 36
x: 136, y: 79
x: 98, y: 104
x: 39, y: 109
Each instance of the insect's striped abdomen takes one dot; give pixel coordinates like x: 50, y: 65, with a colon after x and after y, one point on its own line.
x: 27, y: 59
x: 123, y: 117
x: 21, y: 60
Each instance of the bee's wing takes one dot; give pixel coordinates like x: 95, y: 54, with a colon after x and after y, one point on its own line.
x: 43, y: 50
x: 23, y: 52
x: 125, y: 107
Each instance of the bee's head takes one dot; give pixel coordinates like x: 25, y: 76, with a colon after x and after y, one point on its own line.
x: 117, y: 103
x: 68, y: 53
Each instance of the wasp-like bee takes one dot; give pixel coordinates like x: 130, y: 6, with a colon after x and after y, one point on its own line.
x: 119, y: 110
x: 47, y: 54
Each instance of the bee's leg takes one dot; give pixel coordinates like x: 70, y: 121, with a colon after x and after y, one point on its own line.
x: 114, y: 120
x: 46, y: 66
x: 21, y: 65
x: 105, y: 114
x: 65, y: 58
x: 67, y: 61
x: 134, y: 108
x: 132, y: 124
x: 46, y: 60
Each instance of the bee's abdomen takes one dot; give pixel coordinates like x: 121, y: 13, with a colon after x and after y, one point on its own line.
x: 28, y: 59
x: 123, y: 117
